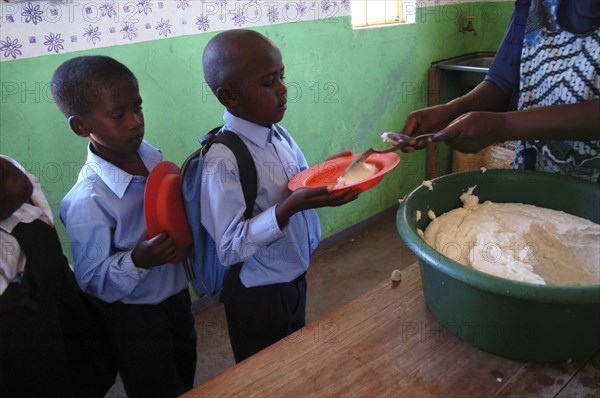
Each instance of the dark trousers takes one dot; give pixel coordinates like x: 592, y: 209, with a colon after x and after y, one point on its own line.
x: 53, y: 341
x: 155, y: 346
x: 259, y: 316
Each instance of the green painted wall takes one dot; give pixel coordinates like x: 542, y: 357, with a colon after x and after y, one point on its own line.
x: 346, y: 87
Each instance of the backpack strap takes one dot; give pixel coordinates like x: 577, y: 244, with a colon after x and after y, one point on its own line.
x: 246, y: 166
x: 205, y: 140
x: 247, y: 169
x: 249, y: 182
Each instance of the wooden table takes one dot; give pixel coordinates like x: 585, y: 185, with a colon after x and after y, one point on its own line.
x: 386, y: 343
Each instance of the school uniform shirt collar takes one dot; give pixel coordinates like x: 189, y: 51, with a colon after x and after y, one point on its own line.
x: 25, y: 214
x: 257, y: 134
x: 116, y: 179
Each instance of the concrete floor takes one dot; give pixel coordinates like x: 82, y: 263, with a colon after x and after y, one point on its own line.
x: 344, y: 266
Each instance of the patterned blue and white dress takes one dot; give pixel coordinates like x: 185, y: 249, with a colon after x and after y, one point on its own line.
x: 558, y: 67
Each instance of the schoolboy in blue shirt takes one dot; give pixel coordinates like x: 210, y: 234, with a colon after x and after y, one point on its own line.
x: 147, y: 299
x: 245, y: 71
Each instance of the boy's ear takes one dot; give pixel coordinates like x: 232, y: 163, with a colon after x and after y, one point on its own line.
x: 79, y: 126
x: 227, y: 97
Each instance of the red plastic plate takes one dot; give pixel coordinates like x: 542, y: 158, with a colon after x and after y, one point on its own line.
x: 164, y: 210
x: 328, y: 172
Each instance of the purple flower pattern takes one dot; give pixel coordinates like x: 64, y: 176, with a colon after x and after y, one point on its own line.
x: 113, y: 22
x: 144, y: 6
x: 54, y: 42
x: 10, y: 47
x: 163, y: 27
x: 32, y: 13
x: 273, y: 14
x: 92, y: 34
x: 301, y: 7
x: 326, y: 5
x: 129, y: 31
x: 203, y: 23
x: 108, y: 9
x: 183, y: 4
x: 238, y: 18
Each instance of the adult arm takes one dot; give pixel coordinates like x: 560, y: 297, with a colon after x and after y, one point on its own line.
x: 485, y: 97
x: 475, y: 130
x: 497, y: 93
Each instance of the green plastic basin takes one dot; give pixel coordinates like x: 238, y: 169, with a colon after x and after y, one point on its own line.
x: 508, y: 318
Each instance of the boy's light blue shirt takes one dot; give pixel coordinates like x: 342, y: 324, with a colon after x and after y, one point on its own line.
x: 270, y: 255
x: 104, y: 216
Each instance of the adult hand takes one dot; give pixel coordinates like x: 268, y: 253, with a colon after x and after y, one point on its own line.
x: 155, y: 251
x: 473, y: 131
x: 425, y: 121
x: 486, y: 97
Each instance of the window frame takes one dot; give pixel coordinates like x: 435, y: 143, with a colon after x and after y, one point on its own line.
x: 400, y: 18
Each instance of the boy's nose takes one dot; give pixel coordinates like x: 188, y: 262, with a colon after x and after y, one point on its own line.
x: 282, y: 88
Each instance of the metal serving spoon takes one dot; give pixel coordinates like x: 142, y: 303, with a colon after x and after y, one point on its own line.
x: 400, y: 141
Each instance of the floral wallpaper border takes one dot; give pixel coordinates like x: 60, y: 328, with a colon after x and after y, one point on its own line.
x: 35, y: 28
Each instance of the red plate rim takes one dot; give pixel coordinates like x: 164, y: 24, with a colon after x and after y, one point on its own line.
x: 389, y: 161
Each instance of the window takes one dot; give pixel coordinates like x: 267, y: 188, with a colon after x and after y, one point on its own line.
x: 376, y: 12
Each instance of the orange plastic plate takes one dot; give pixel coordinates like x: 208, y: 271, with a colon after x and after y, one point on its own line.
x: 164, y: 210
x: 328, y: 172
